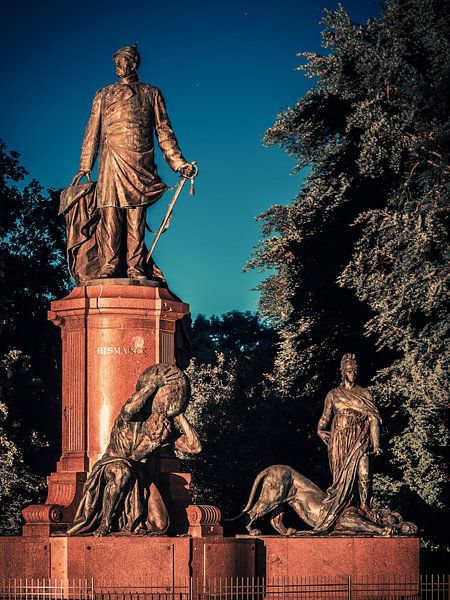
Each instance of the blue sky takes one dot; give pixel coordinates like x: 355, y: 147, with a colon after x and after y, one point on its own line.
x: 226, y: 70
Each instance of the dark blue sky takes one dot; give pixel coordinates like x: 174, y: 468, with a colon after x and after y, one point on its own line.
x: 226, y: 69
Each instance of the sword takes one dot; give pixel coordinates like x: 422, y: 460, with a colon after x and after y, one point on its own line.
x: 165, y: 222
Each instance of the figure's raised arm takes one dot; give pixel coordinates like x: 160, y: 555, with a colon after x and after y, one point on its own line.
x: 138, y: 400
x: 189, y: 441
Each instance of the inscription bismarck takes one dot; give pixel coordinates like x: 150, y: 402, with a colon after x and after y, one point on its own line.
x: 137, y: 347
x: 120, y: 350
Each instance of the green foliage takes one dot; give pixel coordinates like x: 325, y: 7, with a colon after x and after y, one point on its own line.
x: 18, y: 484
x: 359, y: 258
x: 32, y: 271
x: 236, y: 334
x: 212, y: 412
x: 232, y: 354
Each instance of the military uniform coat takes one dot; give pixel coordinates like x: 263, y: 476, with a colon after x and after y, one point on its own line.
x: 121, y: 130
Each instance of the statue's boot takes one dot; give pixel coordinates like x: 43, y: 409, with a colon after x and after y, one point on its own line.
x: 136, y: 274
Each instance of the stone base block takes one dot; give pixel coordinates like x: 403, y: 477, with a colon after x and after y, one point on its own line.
x: 131, y: 561
x: 215, y: 558
x: 25, y: 557
x: 358, y: 557
x: 126, y: 561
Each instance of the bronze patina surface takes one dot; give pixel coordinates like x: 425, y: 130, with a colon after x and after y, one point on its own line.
x: 124, y: 119
x: 280, y: 486
x: 354, y: 435
x: 120, y: 494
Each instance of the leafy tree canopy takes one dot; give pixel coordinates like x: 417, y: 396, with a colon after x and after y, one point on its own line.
x: 32, y: 271
x: 232, y: 354
x: 360, y: 256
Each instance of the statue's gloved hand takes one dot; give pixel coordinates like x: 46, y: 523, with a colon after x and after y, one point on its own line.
x: 187, y: 170
x: 79, y: 176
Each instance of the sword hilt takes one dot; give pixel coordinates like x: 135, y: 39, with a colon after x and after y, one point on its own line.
x: 192, y: 177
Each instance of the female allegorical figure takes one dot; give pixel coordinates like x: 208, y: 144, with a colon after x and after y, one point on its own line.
x: 354, y: 434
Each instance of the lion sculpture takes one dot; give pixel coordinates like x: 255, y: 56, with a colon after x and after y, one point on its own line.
x: 282, y: 485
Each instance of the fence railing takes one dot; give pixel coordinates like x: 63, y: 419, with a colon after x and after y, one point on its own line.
x: 426, y: 587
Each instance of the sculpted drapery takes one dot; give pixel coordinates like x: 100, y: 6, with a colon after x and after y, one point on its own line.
x: 354, y: 434
x: 121, y: 494
x: 125, y: 118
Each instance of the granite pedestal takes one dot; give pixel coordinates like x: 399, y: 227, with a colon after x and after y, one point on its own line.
x: 111, y: 331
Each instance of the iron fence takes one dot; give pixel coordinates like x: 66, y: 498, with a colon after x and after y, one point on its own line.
x: 426, y: 587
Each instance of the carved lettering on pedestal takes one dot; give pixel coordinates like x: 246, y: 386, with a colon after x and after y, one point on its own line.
x: 119, y: 350
x: 137, y: 347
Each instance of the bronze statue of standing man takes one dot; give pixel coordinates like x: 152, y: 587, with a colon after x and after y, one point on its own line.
x: 124, y: 118
x: 354, y: 434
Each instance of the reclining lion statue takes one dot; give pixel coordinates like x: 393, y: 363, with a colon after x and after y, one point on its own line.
x: 282, y: 485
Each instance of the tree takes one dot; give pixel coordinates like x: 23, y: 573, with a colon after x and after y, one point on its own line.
x: 32, y: 270
x: 359, y: 256
x: 236, y: 334
x: 18, y: 484
x: 232, y: 354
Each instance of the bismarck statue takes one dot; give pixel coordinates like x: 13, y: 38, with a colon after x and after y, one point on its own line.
x: 120, y: 494
x: 354, y: 435
x: 106, y: 222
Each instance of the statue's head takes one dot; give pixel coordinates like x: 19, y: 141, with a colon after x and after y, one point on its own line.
x: 349, y: 368
x: 127, y: 60
x: 174, y: 391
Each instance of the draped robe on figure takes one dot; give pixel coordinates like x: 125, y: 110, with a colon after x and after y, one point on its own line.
x: 349, y: 441
x: 141, y: 501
